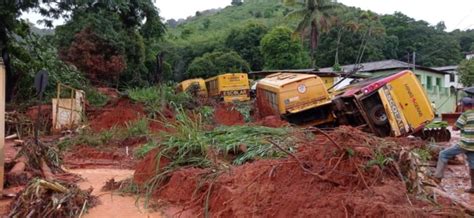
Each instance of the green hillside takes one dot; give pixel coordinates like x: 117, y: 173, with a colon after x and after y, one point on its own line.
x: 217, y: 25
x: 393, y: 36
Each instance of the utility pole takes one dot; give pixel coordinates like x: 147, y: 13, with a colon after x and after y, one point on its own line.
x: 2, y: 122
x: 414, y: 62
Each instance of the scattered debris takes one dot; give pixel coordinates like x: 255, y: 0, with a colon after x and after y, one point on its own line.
x: 343, y: 173
x: 43, y: 198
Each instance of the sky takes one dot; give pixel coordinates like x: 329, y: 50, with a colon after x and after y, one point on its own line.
x: 457, y: 14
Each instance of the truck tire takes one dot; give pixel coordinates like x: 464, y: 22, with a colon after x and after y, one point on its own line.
x: 377, y: 115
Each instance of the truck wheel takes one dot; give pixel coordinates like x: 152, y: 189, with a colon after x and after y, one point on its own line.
x: 378, y: 116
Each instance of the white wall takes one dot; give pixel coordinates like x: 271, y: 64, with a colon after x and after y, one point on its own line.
x: 448, y: 83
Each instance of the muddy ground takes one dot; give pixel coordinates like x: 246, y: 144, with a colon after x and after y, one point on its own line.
x: 265, y: 188
x: 457, y: 176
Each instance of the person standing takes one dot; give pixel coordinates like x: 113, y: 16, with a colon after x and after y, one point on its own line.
x: 465, y: 124
x: 433, y: 105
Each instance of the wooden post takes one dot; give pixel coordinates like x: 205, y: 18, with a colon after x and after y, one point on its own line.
x: 2, y: 123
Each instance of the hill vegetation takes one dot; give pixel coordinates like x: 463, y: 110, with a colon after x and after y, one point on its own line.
x: 349, y: 31
x: 129, y: 45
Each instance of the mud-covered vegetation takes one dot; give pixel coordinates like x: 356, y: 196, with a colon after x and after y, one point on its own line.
x: 113, y: 44
x: 210, y: 158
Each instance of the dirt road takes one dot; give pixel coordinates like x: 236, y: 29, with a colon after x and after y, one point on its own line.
x: 112, y: 205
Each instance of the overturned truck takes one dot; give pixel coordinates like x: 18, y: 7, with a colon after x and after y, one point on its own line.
x: 394, y: 105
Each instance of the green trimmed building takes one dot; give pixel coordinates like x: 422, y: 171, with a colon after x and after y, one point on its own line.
x: 432, y: 80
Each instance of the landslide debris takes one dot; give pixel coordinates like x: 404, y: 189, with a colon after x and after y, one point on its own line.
x: 345, y: 172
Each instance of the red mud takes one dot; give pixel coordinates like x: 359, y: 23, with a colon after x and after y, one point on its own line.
x: 117, y: 114
x: 273, y: 121
x: 109, y: 92
x: 225, y: 114
x: 147, y: 168
x: 280, y: 188
x: 188, y: 180
x: 89, y: 157
x: 168, y: 114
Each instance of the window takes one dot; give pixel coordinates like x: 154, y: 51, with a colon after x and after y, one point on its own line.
x: 271, y: 97
x: 452, y: 77
x: 429, y: 82
x: 438, y: 82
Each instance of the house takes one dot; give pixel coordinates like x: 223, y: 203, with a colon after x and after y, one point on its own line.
x: 452, y: 78
x: 432, y: 80
x: 470, y: 55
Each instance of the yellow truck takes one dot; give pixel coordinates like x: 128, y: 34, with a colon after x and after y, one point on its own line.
x: 394, y: 105
x: 300, y: 98
x: 195, y: 86
x: 229, y: 87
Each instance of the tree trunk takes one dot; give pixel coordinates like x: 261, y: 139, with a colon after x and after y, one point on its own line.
x: 159, y: 67
x: 314, y: 42
x: 336, y: 58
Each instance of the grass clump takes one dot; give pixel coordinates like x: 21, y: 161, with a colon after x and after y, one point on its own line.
x: 230, y: 139
x: 95, y: 98
x: 191, y: 144
x: 150, y: 145
x: 137, y: 128
x: 133, y: 129
x: 423, y: 153
x: 207, y: 114
x: 155, y: 98
x: 244, y: 108
x: 379, y: 160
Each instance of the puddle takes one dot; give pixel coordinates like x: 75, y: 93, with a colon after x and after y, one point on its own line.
x: 112, y: 205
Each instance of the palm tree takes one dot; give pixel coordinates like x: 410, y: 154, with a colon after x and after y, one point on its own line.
x: 344, y: 23
x: 315, y: 16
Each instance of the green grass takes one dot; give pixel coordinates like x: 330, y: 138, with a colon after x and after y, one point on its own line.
x: 155, y: 98
x: 190, y: 143
x: 244, y: 108
x: 423, y: 153
x: 379, y: 160
x: 207, y: 114
x: 138, y: 128
x: 144, y: 149
x: 95, y: 98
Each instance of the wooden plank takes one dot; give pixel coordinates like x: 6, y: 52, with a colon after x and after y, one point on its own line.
x: 2, y: 123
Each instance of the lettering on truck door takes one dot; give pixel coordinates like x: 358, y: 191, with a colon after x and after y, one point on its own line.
x: 397, y: 120
x: 413, y: 102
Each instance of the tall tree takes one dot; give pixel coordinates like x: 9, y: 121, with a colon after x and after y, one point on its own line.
x: 315, y: 16
x: 246, y: 41
x: 466, y: 72
x: 282, y: 51
x: 211, y: 64
x: 343, y: 22
x: 121, y: 31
